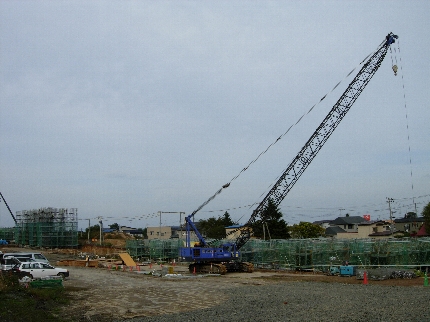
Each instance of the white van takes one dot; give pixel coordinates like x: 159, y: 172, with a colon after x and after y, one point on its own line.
x: 23, y: 257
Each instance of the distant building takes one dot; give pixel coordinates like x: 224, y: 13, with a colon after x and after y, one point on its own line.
x: 408, y: 225
x: 348, y: 223
x: 167, y: 232
x: 130, y: 230
x: 323, y: 223
x: 370, y: 229
x: 332, y: 231
x: 125, y: 229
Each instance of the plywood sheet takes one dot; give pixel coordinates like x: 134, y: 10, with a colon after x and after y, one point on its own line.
x: 127, y: 259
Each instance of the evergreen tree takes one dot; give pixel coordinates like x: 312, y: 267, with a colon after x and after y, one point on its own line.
x: 215, y: 227
x: 271, y: 225
x: 114, y: 226
x: 426, y: 215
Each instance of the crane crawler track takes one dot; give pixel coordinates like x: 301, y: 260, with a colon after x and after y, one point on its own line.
x: 207, y: 268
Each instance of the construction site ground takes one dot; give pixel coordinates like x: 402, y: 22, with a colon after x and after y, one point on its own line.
x: 115, y: 292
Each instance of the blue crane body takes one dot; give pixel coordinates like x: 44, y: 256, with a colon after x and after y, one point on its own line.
x: 226, y: 257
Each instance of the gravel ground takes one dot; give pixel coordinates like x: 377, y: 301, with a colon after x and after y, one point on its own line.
x: 313, y: 301
x: 107, y: 294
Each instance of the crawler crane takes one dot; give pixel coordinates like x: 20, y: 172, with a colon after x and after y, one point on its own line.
x: 225, y: 258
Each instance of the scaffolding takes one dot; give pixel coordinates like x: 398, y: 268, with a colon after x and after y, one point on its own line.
x: 138, y: 248
x: 155, y: 249
x: 47, y: 227
x: 322, y: 253
x: 7, y: 234
x: 306, y: 253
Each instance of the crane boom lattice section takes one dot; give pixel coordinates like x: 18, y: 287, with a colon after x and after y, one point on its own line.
x: 308, y: 152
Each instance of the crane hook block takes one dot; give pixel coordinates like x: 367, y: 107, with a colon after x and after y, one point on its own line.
x: 226, y: 185
x: 395, y: 70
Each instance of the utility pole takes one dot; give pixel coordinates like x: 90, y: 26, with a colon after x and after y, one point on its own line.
x: 101, y: 228
x: 89, y: 226
x: 390, y: 200
x: 172, y: 212
x: 180, y: 222
x: 159, y: 230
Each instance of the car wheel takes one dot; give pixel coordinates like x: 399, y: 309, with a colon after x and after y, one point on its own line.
x: 25, y: 274
x: 62, y: 275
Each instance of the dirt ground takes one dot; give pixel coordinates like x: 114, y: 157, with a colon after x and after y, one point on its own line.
x: 115, y: 292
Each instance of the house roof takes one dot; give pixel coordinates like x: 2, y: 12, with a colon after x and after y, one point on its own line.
x: 407, y: 220
x: 348, y: 220
x: 381, y: 233
x: 234, y: 226
x: 319, y: 222
x: 374, y: 222
x: 422, y: 231
x: 333, y: 230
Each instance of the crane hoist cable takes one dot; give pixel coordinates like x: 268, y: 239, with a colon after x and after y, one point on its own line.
x: 282, y: 135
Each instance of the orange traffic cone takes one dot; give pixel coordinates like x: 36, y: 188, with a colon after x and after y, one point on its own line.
x: 194, y: 270
x: 365, y: 281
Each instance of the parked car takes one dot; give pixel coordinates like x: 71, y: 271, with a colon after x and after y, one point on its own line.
x: 37, y: 257
x: 7, y: 263
x: 39, y: 270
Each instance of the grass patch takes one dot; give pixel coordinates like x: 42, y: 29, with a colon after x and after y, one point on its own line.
x: 29, y: 304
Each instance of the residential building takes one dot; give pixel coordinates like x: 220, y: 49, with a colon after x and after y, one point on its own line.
x: 370, y: 229
x: 168, y: 232
x: 332, y: 231
x: 408, y: 225
x: 323, y: 223
x: 348, y: 223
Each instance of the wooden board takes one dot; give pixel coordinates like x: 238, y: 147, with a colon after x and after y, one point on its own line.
x: 127, y: 259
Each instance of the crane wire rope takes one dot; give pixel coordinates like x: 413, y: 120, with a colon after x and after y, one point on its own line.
x: 394, y: 63
x: 406, y: 112
x: 280, y: 137
x: 378, y: 207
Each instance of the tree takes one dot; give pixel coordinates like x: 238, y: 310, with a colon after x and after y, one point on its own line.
x: 226, y: 220
x: 306, y: 230
x: 215, y: 227
x: 143, y: 232
x: 94, y: 232
x: 411, y: 215
x: 426, y: 215
x: 271, y: 225
x: 114, y: 226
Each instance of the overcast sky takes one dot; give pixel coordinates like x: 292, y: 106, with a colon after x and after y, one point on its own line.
x: 123, y: 109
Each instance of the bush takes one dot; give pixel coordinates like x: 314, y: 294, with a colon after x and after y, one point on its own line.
x: 18, y: 303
